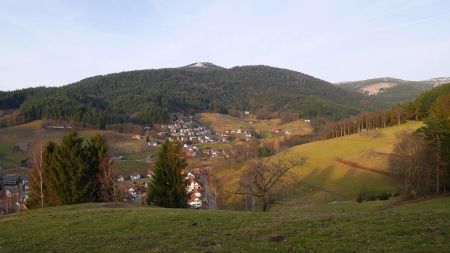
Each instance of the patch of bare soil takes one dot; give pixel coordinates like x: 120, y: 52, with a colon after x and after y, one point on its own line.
x: 359, y: 166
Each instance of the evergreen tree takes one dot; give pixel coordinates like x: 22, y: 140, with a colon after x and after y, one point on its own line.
x: 70, y: 172
x: 437, y: 131
x: 167, y: 188
x: 102, y: 168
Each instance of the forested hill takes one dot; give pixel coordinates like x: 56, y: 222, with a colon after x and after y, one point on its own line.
x: 393, y: 90
x: 149, y: 96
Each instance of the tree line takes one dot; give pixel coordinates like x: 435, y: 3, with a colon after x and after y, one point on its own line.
x: 419, y: 109
x: 422, y: 159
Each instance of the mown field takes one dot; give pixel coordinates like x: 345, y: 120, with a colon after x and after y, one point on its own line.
x: 327, y: 175
x: 222, y: 122
x: 341, y: 227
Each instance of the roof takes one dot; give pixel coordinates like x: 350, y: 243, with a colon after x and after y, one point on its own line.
x: 10, y: 177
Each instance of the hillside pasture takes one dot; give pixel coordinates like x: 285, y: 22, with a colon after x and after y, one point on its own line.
x: 343, y: 227
x: 222, y: 122
x: 326, y: 178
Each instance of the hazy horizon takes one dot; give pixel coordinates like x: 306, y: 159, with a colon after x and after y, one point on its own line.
x: 53, y: 43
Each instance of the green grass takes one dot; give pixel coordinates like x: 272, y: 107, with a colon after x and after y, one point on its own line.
x: 323, y: 170
x: 129, y: 167
x: 420, y: 227
x: 324, y: 179
x: 219, y: 145
x: 138, y: 155
x: 8, y: 158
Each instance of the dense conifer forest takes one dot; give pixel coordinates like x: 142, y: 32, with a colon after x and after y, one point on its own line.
x: 149, y: 96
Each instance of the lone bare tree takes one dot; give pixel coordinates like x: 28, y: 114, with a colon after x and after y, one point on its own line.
x: 38, y: 176
x: 263, y: 174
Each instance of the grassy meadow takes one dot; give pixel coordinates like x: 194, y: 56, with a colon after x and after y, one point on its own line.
x: 380, y: 226
x: 325, y: 179
x: 221, y: 122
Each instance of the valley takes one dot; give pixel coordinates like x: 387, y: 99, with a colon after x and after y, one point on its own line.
x: 224, y: 126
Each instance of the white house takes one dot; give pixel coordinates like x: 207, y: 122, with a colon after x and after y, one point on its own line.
x: 195, y: 202
x: 135, y: 176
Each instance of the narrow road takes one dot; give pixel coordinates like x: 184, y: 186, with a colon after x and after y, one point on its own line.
x: 208, y: 194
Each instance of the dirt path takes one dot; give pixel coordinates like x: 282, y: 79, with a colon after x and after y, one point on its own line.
x: 361, y: 167
x: 405, y: 202
x: 209, y: 195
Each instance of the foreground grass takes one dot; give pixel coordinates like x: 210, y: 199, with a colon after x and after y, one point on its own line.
x: 420, y: 227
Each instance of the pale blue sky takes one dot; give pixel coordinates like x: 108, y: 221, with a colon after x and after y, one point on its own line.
x: 57, y: 42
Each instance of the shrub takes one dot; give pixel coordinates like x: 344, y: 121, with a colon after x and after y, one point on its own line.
x: 384, y: 196
x: 370, y: 196
x: 359, y: 198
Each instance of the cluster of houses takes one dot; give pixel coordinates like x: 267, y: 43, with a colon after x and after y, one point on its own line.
x: 187, y: 131
x: 228, y: 135
x: 134, y: 192
x: 281, y: 131
x: 195, y: 189
x: 14, y: 193
x: 194, y: 181
x: 190, y: 133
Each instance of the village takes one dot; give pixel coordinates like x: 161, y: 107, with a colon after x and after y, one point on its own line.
x: 195, y: 140
x: 14, y: 193
x: 200, y: 144
x: 15, y: 190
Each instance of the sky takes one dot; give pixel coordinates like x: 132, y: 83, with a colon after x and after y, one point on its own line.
x: 52, y: 43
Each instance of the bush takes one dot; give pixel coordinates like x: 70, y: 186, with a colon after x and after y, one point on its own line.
x: 384, y: 196
x: 359, y: 198
x: 265, y: 152
x: 370, y: 196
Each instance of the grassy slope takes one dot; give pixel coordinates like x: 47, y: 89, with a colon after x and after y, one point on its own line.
x: 32, y: 132
x: 343, y: 227
x: 222, y: 122
x: 326, y: 179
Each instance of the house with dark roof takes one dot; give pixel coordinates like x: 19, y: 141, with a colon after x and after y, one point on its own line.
x: 10, y: 179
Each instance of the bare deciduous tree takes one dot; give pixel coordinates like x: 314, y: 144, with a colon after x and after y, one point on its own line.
x: 107, y: 177
x: 412, y: 162
x: 38, y: 175
x: 260, y: 178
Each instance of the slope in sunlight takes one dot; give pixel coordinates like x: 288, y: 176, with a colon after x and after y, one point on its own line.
x: 337, y: 169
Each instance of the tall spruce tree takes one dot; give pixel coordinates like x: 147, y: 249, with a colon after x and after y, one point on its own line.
x: 167, y: 188
x: 70, y: 172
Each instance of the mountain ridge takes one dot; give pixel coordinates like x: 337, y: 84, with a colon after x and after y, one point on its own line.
x: 150, y: 96
x: 392, y: 90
